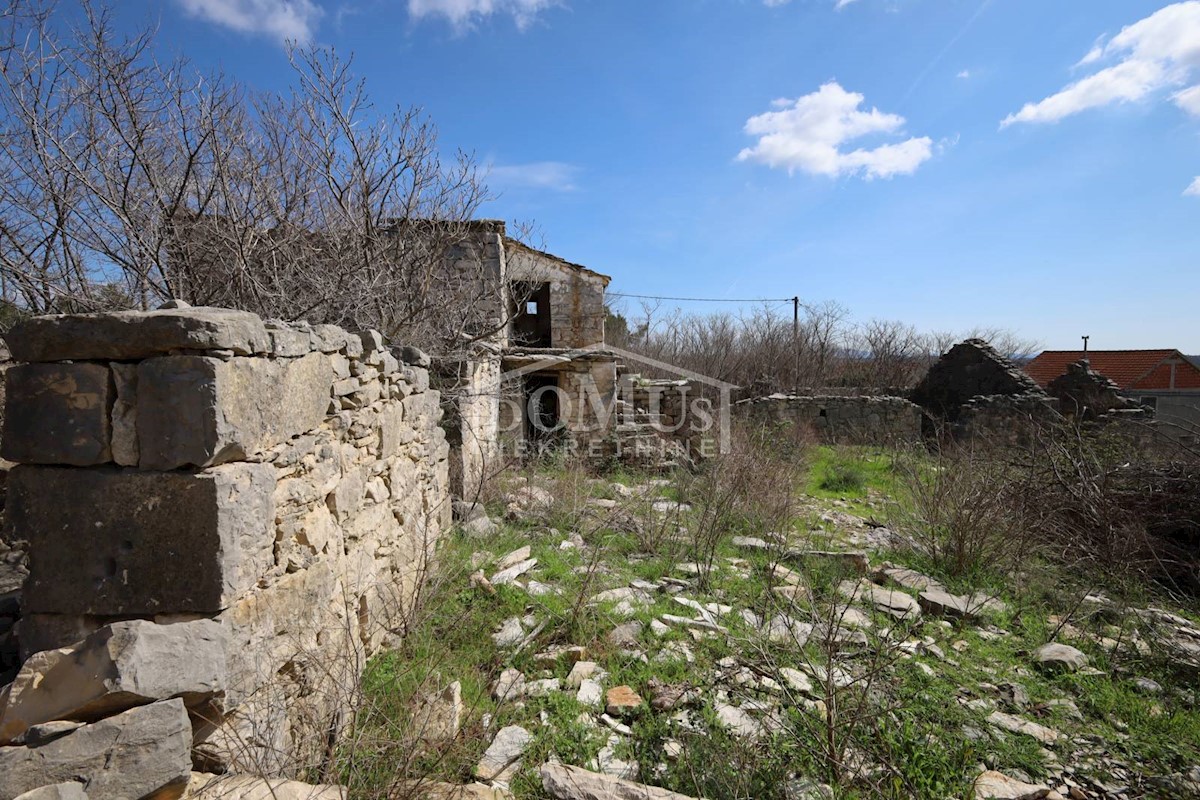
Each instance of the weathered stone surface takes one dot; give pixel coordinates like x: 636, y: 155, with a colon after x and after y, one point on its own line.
x: 891, y: 602
x: 436, y: 790
x: 500, y: 760
x: 58, y: 414
x: 247, y: 787
x: 940, y: 603
x: 621, y: 700
x: 59, y: 791
x: 124, y: 415
x: 1060, y: 656
x: 197, y: 411
x: 139, y: 753
x: 564, y: 782
x: 131, y: 335
x: 970, y: 369
x: 120, y: 666
x: 440, y: 714
x: 103, y: 541
x: 992, y: 785
x: 1015, y: 724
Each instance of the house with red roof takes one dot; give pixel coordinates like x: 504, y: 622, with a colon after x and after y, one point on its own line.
x: 1165, y: 379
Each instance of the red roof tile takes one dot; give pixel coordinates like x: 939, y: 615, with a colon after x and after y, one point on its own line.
x: 1129, y: 369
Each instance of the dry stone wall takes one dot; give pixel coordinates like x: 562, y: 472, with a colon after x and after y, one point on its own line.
x: 840, y: 419
x: 281, y: 486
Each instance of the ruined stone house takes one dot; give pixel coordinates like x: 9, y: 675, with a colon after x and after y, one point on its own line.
x: 523, y: 381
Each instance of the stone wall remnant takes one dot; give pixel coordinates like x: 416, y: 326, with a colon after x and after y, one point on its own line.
x: 263, y: 498
x: 970, y: 369
x: 1083, y: 393
x: 862, y: 420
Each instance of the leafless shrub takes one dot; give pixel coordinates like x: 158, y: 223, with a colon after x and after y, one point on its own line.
x: 964, y: 508
x: 768, y: 350
x: 129, y: 180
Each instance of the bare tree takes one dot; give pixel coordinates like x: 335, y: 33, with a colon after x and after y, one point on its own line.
x: 128, y: 181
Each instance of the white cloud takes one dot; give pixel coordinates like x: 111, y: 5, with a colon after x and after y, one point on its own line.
x: 1188, y: 100
x: 965, y: 74
x: 552, y: 175
x: 774, y: 3
x: 463, y: 13
x: 278, y: 19
x: 843, y: 3
x: 1194, y: 188
x: 1154, y: 53
x: 808, y: 134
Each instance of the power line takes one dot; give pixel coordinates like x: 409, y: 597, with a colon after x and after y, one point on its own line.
x: 703, y: 299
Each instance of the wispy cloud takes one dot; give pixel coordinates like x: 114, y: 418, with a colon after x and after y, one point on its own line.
x: 1153, y: 54
x: 807, y: 134
x: 278, y: 19
x: 464, y: 13
x: 964, y: 74
x: 1194, y: 189
x: 550, y: 175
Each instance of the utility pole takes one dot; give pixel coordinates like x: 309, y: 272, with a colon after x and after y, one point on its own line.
x: 795, y: 343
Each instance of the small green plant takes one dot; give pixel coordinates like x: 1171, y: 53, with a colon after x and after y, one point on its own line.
x: 845, y: 476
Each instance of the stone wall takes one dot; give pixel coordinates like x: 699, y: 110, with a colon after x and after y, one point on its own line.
x: 577, y: 309
x: 970, y: 369
x: 841, y: 420
x: 285, y: 483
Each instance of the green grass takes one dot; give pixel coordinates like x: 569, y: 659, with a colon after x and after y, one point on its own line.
x: 919, y: 728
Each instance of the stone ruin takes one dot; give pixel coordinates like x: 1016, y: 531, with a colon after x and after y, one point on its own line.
x: 224, y: 517
x: 841, y: 419
x: 972, y: 391
x: 1087, y: 395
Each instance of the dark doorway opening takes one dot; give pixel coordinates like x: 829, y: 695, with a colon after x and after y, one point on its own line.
x: 531, y: 316
x: 542, y: 413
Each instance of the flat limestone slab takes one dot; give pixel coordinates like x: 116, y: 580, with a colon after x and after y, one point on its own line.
x: 126, y: 542
x: 131, y: 335
x: 120, y: 666
x: 134, y: 754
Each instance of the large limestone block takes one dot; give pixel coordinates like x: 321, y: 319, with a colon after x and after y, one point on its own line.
x: 198, y: 411
x: 131, y: 335
x: 120, y: 666
x: 142, y: 753
x: 58, y: 414
x: 125, y: 542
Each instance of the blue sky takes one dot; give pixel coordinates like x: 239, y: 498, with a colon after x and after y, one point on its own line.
x: 950, y: 163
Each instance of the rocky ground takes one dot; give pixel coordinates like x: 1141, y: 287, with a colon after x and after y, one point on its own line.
x: 595, y: 637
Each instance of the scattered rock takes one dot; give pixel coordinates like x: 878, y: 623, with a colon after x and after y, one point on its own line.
x: 513, y: 558
x: 1015, y: 724
x: 590, y: 693
x: 510, y: 634
x: 564, y: 782
x: 513, y: 572
x: 992, y: 785
x: 581, y: 671
x: 509, y: 686
x: 622, y: 700
x: 626, y: 634
x: 501, y: 760
x: 440, y: 714
x: 1060, y: 656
